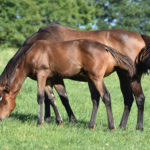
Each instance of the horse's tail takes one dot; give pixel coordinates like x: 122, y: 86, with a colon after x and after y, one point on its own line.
x: 143, y: 59
x: 123, y: 61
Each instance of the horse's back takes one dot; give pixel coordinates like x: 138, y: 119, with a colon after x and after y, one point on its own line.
x: 127, y: 42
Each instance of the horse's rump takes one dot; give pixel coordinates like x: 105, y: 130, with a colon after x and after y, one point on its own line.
x: 143, y: 58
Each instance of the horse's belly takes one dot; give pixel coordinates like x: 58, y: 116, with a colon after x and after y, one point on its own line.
x: 109, y: 71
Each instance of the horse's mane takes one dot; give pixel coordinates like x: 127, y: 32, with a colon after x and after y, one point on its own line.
x: 9, y: 70
x: 123, y: 60
x: 53, y: 26
x: 143, y: 58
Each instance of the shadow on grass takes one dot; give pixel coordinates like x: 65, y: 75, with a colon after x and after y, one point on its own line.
x: 24, y: 118
x: 82, y: 124
x: 33, y: 118
x: 78, y: 124
x: 27, y: 117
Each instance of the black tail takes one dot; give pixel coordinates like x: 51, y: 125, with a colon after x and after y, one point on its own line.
x: 143, y: 58
x: 124, y: 61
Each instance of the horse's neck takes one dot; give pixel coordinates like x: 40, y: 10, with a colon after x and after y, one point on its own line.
x: 17, y: 80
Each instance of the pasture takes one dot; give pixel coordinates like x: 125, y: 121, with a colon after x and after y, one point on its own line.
x: 19, y: 131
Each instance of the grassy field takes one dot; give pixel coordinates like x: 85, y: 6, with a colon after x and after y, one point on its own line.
x: 19, y: 131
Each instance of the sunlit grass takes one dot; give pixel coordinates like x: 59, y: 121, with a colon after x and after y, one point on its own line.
x: 19, y: 131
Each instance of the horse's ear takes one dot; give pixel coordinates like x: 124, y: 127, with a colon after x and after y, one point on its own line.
x: 6, y: 89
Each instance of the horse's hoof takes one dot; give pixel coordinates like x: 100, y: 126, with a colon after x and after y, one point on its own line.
x: 48, y: 119
x: 60, y: 124
x: 113, y: 129
x: 139, y: 128
x: 91, y: 129
x: 40, y: 123
x: 72, y: 119
x: 122, y: 127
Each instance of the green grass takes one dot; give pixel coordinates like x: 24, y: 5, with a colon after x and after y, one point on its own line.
x: 19, y: 131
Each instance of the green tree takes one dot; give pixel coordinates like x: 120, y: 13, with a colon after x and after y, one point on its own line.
x: 18, y: 19
x: 73, y: 13
x: 127, y: 14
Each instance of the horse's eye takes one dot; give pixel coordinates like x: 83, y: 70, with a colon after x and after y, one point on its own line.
x: 1, y: 98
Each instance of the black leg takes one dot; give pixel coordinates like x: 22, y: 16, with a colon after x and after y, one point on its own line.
x: 52, y: 100
x: 95, y: 99
x: 107, y: 101
x: 128, y: 89
x: 128, y: 98
x: 128, y: 101
x: 140, y: 99
x: 60, y: 88
x: 100, y: 86
x: 47, y: 109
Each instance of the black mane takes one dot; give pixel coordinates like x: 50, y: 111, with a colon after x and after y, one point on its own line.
x: 7, y: 74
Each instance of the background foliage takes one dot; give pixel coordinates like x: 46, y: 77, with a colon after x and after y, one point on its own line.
x: 20, y: 19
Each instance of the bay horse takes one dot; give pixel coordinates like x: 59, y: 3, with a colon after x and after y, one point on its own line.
x: 126, y: 42
x: 45, y: 61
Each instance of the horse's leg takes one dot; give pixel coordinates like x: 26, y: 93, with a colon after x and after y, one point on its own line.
x: 47, y: 108
x: 140, y: 99
x: 60, y: 88
x: 128, y: 98
x: 95, y: 99
x: 52, y: 100
x: 99, y: 83
x: 41, y: 80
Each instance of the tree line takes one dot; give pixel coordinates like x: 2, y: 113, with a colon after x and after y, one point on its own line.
x: 20, y: 19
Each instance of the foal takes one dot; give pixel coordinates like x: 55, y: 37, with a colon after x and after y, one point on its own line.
x: 46, y: 61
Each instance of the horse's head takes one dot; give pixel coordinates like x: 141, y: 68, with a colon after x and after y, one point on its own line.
x: 7, y: 102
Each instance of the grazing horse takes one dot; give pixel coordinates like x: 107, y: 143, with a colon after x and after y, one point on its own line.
x: 126, y: 42
x: 46, y: 61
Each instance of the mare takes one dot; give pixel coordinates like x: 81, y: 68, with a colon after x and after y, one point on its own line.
x: 45, y: 61
x: 126, y: 42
